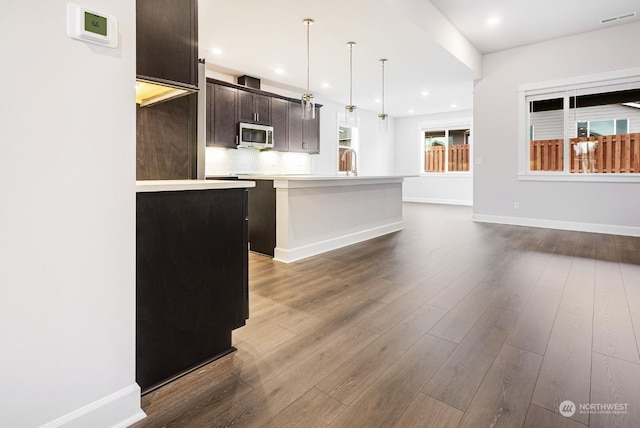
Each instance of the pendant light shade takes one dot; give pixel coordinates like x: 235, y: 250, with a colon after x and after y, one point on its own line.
x: 308, y: 107
x: 350, y: 114
x: 383, y: 118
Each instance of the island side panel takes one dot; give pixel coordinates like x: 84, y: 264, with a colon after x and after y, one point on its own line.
x: 191, y: 279
x: 312, y: 220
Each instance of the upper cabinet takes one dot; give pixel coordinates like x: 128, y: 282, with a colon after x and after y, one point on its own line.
x: 167, y: 42
x: 222, y: 116
x: 280, y: 123
x: 254, y: 108
x: 228, y: 105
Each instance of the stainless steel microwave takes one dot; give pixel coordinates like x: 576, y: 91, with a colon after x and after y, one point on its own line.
x: 255, y: 136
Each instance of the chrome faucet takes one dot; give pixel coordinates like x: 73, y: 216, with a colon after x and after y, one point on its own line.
x: 354, y: 162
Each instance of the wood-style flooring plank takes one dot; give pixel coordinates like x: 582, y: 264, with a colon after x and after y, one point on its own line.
x: 532, y: 330
x: 188, y: 397
x: 458, y: 321
x: 504, y: 395
x: 257, y: 367
x: 427, y: 412
x: 578, y: 291
x: 566, y: 366
x: 539, y: 417
x: 312, y: 410
x: 615, y: 387
x: 613, y: 333
x: 455, y: 291
x: 363, y: 369
x: 382, y: 404
x: 274, y: 395
x: 390, y: 314
x: 456, y: 382
x: 554, y: 276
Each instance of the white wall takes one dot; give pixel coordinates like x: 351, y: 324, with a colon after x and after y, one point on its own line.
x: 431, y: 188
x: 67, y: 221
x: 607, y: 207
x: 375, y: 149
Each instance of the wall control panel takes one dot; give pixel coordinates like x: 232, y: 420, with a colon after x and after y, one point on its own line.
x: 92, y: 26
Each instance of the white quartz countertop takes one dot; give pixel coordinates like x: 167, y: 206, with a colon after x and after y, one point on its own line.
x: 312, y: 177
x: 180, y: 185
x: 304, y: 181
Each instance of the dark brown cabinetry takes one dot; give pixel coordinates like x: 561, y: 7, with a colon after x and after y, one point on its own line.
x: 229, y: 104
x: 191, y: 279
x: 167, y: 41
x: 222, y: 116
x: 262, y: 217
x: 165, y: 140
x: 254, y: 108
x: 280, y: 123
x: 167, y: 53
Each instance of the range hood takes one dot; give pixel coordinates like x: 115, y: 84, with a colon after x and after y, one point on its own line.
x: 150, y: 92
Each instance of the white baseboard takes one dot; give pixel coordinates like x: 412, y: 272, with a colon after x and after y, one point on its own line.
x: 438, y: 201
x: 299, y: 253
x: 556, y: 224
x: 118, y: 410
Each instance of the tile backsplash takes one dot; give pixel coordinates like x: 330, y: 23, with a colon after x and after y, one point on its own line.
x: 220, y: 161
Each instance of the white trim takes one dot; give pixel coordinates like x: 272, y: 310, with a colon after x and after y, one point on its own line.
x: 590, y: 83
x: 438, y: 201
x: 557, y: 224
x: 299, y: 253
x: 604, y: 178
x: 587, y: 80
x: 449, y: 174
x: 118, y: 410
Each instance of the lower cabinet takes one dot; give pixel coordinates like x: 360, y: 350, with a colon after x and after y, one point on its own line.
x: 262, y: 217
x: 191, y: 279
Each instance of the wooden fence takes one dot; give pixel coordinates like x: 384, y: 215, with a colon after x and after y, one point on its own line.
x: 605, y: 154
x: 434, y: 158
x: 547, y: 155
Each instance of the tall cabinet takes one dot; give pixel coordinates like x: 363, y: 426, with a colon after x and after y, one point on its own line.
x: 167, y: 54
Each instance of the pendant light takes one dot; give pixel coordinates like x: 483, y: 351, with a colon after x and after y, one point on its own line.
x: 383, y: 122
x: 308, y: 107
x: 350, y: 116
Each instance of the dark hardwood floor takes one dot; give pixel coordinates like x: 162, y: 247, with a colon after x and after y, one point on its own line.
x: 448, y: 323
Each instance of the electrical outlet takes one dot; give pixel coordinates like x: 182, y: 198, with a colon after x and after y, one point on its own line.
x: 516, y: 205
x: 478, y: 161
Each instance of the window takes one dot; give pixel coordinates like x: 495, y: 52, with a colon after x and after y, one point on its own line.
x: 588, y: 127
x: 446, y: 150
x: 347, y: 146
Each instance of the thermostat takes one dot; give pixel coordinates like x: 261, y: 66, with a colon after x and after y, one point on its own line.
x: 92, y: 26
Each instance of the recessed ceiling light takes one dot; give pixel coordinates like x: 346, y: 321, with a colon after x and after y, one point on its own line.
x: 378, y: 100
x: 410, y: 110
x: 279, y: 71
x: 216, y: 51
x: 425, y: 93
x: 453, y: 106
x: 325, y: 85
x: 493, y: 20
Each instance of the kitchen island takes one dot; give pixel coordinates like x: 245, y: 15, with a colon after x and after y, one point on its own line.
x: 191, y: 274
x: 304, y: 215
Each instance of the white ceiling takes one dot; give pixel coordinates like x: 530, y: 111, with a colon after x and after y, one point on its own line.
x: 258, y: 37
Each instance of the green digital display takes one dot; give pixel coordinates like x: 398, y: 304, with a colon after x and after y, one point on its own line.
x: 95, y: 24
